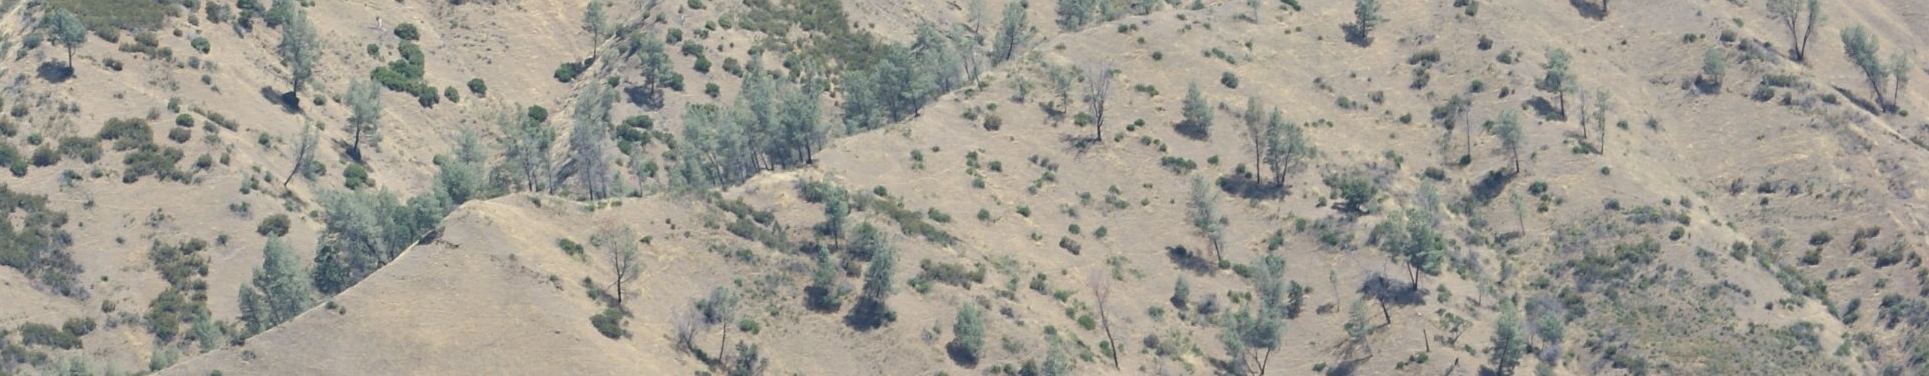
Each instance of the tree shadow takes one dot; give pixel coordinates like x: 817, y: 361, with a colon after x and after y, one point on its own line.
x: 54, y: 73
x: 960, y: 355
x: 1356, y: 35
x: 1346, y: 367
x: 1192, y: 131
x: 817, y: 300
x: 1188, y: 260
x: 1589, y: 9
x: 643, y: 97
x: 869, y: 314
x: 1490, y: 186
x: 287, y: 101
x: 1245, y: 186
x: 1080, y: 143
x: 1864, y: 103
x: 1545, y: 109
x: 1388, y: 291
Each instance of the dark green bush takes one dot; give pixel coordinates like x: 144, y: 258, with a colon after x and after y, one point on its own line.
x: 153, y: 160
x: 479, y: 88
x: 127, y: 134
x: 609, y: 323
x: 274, y: 225
x: 408, y: 32
x: 567, y: 71
x: 45, y: 156
x: 356, y: 177
x: 179, y: 135
x: 37, y: 334
x: 86, y: 149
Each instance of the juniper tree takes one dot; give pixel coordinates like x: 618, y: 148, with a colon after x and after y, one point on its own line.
x: 1287, y: 148
x: 365, y: 113
x: 300, y: 49
x: 1862, y: 49
x: 67, y: 30
x: 1366, y: 16
x: 1412, y: 239
x: 1013, y: 34
x: 626, y: 262
x: 305, y: 150
x: 1899, y: 68
x: 1800, y: 18
x: 1507, y: 127
x: 1098, y: 91
x: 278, y: 291
x: 588, y: 153
x: 720, y: 309
x: 1203, y: 213
x: 1197, y: 114
x: 968, y: 343
x: 1509, y: 343
x: 1559, y: 80
x: 1713, y: 68
x: 1254, y: 119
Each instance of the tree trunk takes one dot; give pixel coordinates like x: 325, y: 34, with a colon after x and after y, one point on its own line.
x: 356, y: 148
x: 1516, y: 152
x: 1384, y: 311
x: 1106, y: 322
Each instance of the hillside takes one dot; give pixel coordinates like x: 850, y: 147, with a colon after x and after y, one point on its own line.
x: 1389, y: 201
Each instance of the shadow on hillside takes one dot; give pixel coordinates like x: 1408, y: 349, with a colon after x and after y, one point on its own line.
x: 1346, y: 368
x: 54, y: 73
x: 1190, y: 130
x: 1080, y: 143
x: 869, y: 314
x: 1245, y: 186
x: 1356, y: 35
x: 1388, y: 291
x: 1589, y: 9
x: 1545, y: 109
x: 287, y: 101
x: 1188, y: 260
x: 960, y: 355
x: 643, y: 97
x: 1490, y: 185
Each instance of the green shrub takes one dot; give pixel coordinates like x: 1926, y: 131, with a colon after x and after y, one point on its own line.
x: 274, y: 225
x: 45, y: 156
x: 1229, y: 80
x: 711, y: 89
x: 479, y: 88
x: 184, y: 120
x: 609, y: 323
x: 570, y: 247
x: 200, y: 44
x: 567, y: 71
x: 356, y: 177
x: 450, y: 93
x: 127, y: 133
x: 86, y: 149
x: 179, y: 135
x: 153, y: 160
x: 37, y: 334
x: 408, y: 32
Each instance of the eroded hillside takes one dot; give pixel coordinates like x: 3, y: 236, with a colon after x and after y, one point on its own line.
x: 1025, y: 188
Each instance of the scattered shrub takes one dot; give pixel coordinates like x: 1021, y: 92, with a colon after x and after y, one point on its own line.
x: 408, y: 32
x: 479, y: 88
x: 274, y: 225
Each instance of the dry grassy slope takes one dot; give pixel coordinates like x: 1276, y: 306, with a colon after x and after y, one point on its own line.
x: 481, y: 298
x: 105, y: 212
x: 1704, y: 143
